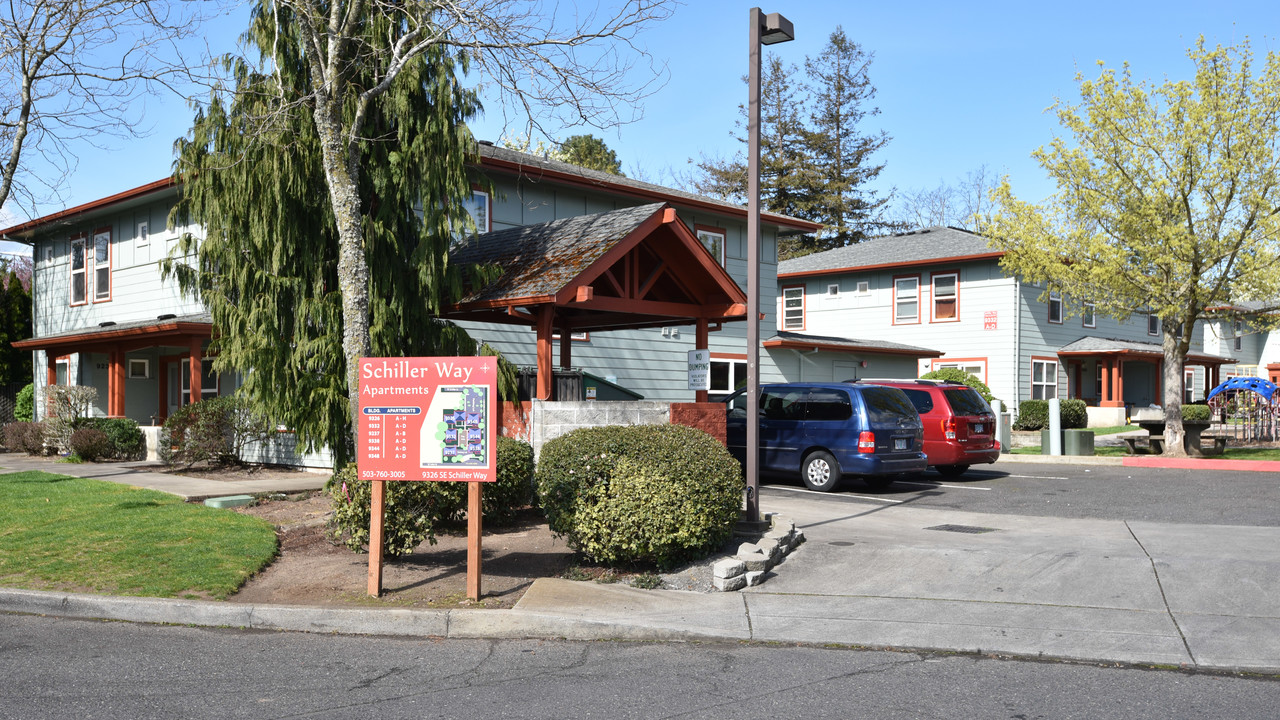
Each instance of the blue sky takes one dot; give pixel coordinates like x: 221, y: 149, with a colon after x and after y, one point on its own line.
x: 960, y: 85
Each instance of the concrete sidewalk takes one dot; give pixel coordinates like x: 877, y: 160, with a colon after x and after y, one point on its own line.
x: 188, y: 488
x: 1203, y: 597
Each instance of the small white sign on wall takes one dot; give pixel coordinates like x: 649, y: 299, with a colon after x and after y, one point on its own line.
x: 699, y: 369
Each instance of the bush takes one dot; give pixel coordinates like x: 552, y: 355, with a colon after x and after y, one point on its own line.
x: 962, y: 377
x: 1032, y: 415
x: 1074, y: 414
x: 27, y: 437
x: 216, y: 430
x: 24, y: 405
x: 67, y: 404
x: 90, y: 444
x: 655, y: 494
x: 127, y: 440
x: 413, y: 510
x: 1196, y: 413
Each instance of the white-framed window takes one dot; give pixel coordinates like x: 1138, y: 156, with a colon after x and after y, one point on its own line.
x: 975, y: 367
x: 1055, y: 307
x: 1044, y: 379
x: 727, y: 375
x: 793, y: 307
x: 713, y: 240
x: 142, y: 236
x: 139, y: 368
x: 1087, y: 317
x: 79, y: 271
x: 906, y: 300
x: 1099, y: 368
x: 1237, y: 331
x: 208, y: 384
x: 864, y: 287
x: 102, y: 265
x: 62, y: 371
x: 1188, y: 385
x: 833, y: 290
x: 479, y: 206
x: 946, y: 297
x: 1153, y: 324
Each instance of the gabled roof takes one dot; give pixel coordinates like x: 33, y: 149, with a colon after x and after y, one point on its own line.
x: 164, y: 326
x: 799, y: 341
x: 919, y: 247
x: 634, y: 267
x: 1111, y: 346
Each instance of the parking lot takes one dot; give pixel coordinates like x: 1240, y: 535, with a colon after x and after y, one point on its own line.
x: 1065, y: 490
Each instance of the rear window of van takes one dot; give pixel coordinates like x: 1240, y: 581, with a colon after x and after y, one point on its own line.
x: 887, y: 405
x: 966, y: 401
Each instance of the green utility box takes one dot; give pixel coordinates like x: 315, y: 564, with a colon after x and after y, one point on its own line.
x: 1077, y: 442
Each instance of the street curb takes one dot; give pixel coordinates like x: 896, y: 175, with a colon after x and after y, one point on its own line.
x: 1057, y: 460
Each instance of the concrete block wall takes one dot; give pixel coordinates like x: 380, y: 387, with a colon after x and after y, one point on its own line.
x: 550, y: 420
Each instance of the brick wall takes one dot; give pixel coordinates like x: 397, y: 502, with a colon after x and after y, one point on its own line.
x: 708, y: 417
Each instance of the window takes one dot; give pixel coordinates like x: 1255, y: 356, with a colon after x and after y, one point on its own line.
x: 1055, y: 307
x: 478, y: 206
x: 1237, y: 329
x: 864, y: 287
x: 139, y: 368
x: 713, y: 240
x: 824, y: 404
x: 1097, y: 380
x: 945, y: 295
x: 1087, y: 317
x: 1188, y: 385
x: 728, y: 375
x: 208, y: 380
x: 102, y: 265
x: 48, y: 253
x: 1153, y: 324
x: 79, y: 276
x: 976, y: 367
x: 833, y: 290
x: 62, y: 371
x: 793, y: 307
x: 142, y: 237
x: 906, y: 300
x: 1044, y: 379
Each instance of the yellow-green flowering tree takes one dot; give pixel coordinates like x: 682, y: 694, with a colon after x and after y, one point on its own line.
x: 1167, y: 200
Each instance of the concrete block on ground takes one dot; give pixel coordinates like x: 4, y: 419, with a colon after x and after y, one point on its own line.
x: 755, y: 561
x: 755, y: 577
x: 229, y: 501
x: 729, y: 584
x: 728, y: 568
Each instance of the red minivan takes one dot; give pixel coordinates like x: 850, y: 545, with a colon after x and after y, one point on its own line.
x: 959, y: 427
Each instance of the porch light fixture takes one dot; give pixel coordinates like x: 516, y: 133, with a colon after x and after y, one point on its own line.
x: 768, y: 29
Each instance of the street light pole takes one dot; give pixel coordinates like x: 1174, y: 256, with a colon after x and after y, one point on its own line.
x: 765, y: 30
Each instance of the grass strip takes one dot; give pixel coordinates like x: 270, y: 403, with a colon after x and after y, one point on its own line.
x: 76, y: 534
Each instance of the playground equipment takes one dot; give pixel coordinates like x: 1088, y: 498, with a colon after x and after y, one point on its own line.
x: 1246, y: 408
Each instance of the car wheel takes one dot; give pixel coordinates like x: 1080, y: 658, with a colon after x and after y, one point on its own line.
x: 952, y: 470
x: 820, y: 471
x: 880, y: 482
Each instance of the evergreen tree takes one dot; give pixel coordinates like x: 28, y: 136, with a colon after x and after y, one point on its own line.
x: 268, y: 266
x: 813, y: 167
x: 590, y: 152
x: 15, y: 324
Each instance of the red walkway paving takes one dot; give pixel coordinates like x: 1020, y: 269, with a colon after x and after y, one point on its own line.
x: 1202, y: 463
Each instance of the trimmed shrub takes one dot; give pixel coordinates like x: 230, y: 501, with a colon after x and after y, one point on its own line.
x: 216, y: 430
x: 513, y: 489
x: 657, y: 494
x: 1032, y: 415
x: 27, y: 437
x: 1073, y: 412
x: 24, y: 405
x: 412, y: 511
x: 1196, y: 413
x: 67, y: 404
x: 127, y: 440
x: 415, y: 509
x: 962, y: 377
x: 90, y: 444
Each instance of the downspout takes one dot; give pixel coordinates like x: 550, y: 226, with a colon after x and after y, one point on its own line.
x: 1017, y: 344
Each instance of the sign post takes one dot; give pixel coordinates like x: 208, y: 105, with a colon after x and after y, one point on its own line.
x: 427, y: 419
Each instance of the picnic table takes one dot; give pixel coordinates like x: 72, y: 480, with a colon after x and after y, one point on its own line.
x: 1193, y: 436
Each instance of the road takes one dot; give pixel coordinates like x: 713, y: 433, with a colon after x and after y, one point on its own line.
x: 1101, y: 492
x: 82, y: 669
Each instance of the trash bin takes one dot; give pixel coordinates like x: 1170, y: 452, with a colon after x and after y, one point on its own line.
x: 1077, y: 442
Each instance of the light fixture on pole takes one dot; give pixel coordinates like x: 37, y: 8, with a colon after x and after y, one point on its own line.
x: 765, y: 30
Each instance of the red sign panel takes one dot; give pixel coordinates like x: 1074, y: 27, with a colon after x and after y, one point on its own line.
x: 989, y: 320
x: 428, y: 418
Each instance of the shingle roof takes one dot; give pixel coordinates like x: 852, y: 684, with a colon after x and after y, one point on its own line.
x: 792, y: 338
x: 539, y: 260
x: 1131, y: 347
x: 915, y: 247
x: 203, y: 318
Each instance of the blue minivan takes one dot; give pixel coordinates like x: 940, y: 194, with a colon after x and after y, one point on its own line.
x: 826, y: 431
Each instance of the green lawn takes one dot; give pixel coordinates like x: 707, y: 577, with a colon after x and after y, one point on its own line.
x: 65, y: 533
x: 1113, y: 429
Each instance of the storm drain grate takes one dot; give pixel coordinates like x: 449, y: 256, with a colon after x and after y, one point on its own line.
x: 970, y: 529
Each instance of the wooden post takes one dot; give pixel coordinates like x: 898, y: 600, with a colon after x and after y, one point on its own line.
x: 475, y: 527
x: 376, y: 506
x: 546, y: 372
x: 700, y: 342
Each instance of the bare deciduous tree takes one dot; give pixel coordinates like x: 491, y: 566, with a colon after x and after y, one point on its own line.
x: 74, y: 71
x: 962, y: 205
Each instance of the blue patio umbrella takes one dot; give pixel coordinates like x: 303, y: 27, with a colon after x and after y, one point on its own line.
x: 1265, y: 388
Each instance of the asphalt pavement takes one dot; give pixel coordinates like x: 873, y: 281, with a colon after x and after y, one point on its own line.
x: 1165, y: 594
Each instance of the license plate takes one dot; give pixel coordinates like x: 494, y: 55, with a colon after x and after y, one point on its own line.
x: 900, y: 443
x: 978, y: 428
